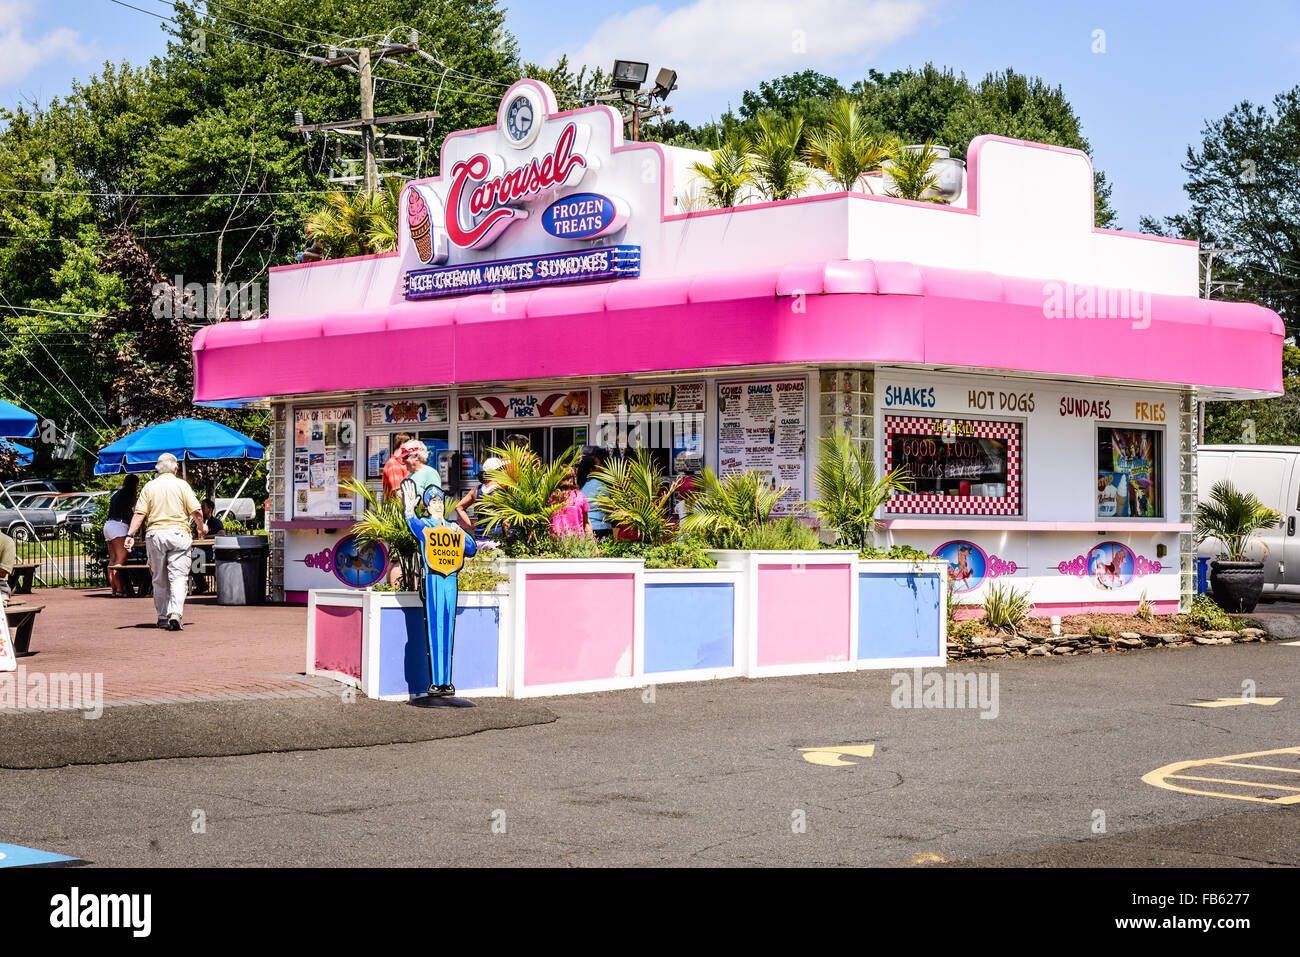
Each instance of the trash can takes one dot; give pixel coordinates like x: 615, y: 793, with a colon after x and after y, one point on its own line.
x: 241, y: 568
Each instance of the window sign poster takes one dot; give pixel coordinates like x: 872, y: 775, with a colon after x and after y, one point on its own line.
x: 325, y: 461
x: 376, y: 455
x: 524, y: 405
x: 762, y: 427
x: 1128, y: 473
x: 407, y: 411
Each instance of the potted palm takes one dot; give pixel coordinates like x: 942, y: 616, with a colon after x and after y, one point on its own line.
x: 1235, y: 517
x: 850, y: 494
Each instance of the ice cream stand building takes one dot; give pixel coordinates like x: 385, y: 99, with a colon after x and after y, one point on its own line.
x: 1037, y: 376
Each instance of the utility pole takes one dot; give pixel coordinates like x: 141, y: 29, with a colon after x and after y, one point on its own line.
x: 368, y: 121
x: 361, y: 61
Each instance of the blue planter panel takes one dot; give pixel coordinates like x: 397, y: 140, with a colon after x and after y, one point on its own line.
x: 689, y: 626
x: 899, y: 616
x: 404, y: 650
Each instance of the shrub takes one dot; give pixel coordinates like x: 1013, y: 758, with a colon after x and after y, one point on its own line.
x: 1100, y: 631
x: 1208, y: 616
x: 1006, y: 608
x: 566, y: 546
x: 784, y: 534
x: 385, y: 522
x: 721, y: 511
x: 1144, y: 609
x: 850, y: 494
x: 904, y: 553
x: 683, y: 553
x: 521, y: 509
x: 481, y: 573
x: 1233, y: 517
x: 636, y: 497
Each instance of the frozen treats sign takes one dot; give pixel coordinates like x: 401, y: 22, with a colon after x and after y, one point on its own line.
x: 506, y: 211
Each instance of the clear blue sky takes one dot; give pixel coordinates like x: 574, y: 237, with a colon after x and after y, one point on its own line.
x: 1166, y: 66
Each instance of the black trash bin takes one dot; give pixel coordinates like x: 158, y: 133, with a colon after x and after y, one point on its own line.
x: 241, y: 568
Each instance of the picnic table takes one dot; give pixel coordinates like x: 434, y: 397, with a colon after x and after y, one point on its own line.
x: 138, y: 579
x: 22, y: 618
x: 20, y: 579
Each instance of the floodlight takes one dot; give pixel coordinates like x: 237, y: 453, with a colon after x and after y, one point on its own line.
x: 629, y: 74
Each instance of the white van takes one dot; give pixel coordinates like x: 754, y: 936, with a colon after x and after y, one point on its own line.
x: 1272, y: 473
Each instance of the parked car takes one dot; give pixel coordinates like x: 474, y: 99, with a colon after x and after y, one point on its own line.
x: 81, y: 508
x: 241, y: 509
x: 1272, y: 474
x: 26, y: 524
x: 16, y: 487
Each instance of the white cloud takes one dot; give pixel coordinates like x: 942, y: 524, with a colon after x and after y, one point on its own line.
x: 732, y: 44
x: 20, y: 54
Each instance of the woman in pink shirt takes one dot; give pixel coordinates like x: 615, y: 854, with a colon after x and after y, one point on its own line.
x: 573, y: 516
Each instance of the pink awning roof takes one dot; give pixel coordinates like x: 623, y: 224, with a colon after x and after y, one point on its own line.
x: 851, y: 311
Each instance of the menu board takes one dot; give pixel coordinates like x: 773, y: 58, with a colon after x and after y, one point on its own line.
x: 762, y: 427
x: 324, y: 457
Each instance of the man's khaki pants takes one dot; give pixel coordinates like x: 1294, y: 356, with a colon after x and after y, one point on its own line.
x: 169, y: 561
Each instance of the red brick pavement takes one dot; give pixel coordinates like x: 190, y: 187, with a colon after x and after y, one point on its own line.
x: 223, y: 649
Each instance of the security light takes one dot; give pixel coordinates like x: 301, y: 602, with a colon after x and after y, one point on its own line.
x: 665, y: 83
x: 629, y: 74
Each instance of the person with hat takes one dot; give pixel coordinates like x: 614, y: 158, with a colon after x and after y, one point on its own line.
x: 486, y: 486
x: 422, y: 477
x: 165, y: 507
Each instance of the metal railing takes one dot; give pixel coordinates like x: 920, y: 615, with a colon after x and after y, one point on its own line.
x: 65, y: 561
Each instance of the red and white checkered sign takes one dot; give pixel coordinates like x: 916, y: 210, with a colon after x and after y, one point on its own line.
x: 931, y: 504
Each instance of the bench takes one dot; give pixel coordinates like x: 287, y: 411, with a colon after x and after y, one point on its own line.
x: 21, y: 618
x: 138, y: 579
x: 20, y: 579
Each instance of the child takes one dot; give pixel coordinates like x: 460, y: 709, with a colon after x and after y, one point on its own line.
x: 573, y: 517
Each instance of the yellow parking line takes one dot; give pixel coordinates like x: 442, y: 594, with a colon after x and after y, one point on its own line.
x: 1160, y: 777
x: 1262, y: 767
x: 1248, y: 784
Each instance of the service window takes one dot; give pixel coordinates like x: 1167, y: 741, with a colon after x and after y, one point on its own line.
x: 955, y: 466
x: 1130, y: 468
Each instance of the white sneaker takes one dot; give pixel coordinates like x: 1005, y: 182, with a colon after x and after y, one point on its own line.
x: 174, y: 622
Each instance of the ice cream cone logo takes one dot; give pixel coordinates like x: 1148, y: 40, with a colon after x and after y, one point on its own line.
x: 420, y: 225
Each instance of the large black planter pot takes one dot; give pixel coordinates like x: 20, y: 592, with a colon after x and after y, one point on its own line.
x: 1237, y: 585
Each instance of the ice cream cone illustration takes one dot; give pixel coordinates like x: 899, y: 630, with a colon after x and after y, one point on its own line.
x: 417, y: 221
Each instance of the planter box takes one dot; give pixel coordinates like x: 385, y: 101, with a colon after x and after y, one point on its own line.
x: 801, y: 610
x: 568, y: 626
x: 903, y: 621
x: 376, y: 641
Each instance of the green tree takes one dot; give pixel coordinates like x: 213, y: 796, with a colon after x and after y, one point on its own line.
x: 845, y: 147
x: 778, y: 172
x: 728, y: 174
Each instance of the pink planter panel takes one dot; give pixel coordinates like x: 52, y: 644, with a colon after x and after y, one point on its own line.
x: 803, y: 613
x: 578, y: 627
x: 338, y: 639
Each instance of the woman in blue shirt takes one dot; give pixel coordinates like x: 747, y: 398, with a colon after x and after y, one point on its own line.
x: 591, y: 488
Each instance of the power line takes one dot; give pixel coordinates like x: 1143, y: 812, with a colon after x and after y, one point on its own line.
x: 55, y: 312
x: 61, y: 369
x: 246, y: 193
x: 23, y: 402
x: 100, y: 242
x: 57, y: 392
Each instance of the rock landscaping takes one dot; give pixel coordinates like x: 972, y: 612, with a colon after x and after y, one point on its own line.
x: 1091, y: 634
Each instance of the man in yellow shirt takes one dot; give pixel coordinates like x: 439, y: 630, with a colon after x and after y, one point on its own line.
x: 166, y: 506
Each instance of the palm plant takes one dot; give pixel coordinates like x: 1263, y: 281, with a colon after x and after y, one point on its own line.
x: 721, y: 511
x: 635, y: 497
x: 384, y: 521
x: 357, y: 224
x: 729, y: 174
x: 778, y: 173
x: 521, y: 508
x: 845, y: 149
x: 1233, y: 516
x: 850, y: 492
x: 911, y: 172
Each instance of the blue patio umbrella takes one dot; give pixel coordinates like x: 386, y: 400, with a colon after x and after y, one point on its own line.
x: 195, y: 440
x: 16, y: 422
x: 24, y: 453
